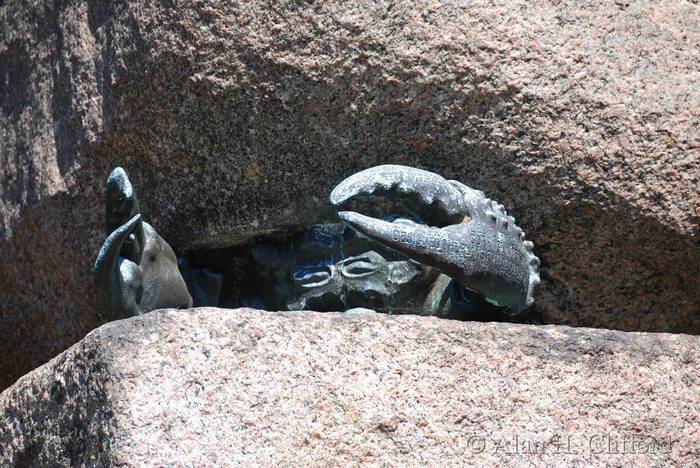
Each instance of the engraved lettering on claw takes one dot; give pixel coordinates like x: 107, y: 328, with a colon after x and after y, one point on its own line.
x: 136, y: 270
x: 470, y: 238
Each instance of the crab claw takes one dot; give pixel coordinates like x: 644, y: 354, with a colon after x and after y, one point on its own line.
x: 425, y: 194
x: 121, y: 202
x: 135, y: 270
x: 484, y: 251
x: 119, y: 281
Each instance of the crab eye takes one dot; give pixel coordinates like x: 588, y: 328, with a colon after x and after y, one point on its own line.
x: 358, y: 268
x: 315, y: 280
x: 362, y: 265
x: 312, y: 274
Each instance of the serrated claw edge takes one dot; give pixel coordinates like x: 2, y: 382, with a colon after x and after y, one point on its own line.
x: 485, y: 251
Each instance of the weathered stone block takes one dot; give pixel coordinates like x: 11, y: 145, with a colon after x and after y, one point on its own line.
x: 204, y: 387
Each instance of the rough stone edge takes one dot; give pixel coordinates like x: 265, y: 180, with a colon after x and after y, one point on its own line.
x: 39, y: 418
x: 61, y: 409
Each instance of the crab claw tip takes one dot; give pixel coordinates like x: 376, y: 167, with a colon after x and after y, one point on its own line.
x: 366, y: 225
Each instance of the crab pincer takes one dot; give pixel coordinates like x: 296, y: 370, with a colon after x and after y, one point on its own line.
x: 469, y: 237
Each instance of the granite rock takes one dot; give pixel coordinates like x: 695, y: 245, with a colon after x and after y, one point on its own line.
x: 236, y: 118
x: 216, y: 387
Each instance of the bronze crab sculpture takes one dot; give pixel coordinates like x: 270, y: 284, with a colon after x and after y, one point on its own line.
x: 469, y: 251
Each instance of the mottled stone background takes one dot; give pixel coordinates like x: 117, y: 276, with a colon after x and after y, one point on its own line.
x: 237, y: 117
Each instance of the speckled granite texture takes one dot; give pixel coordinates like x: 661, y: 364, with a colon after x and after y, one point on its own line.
x: 206, y: 387
x: 238, y: 117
